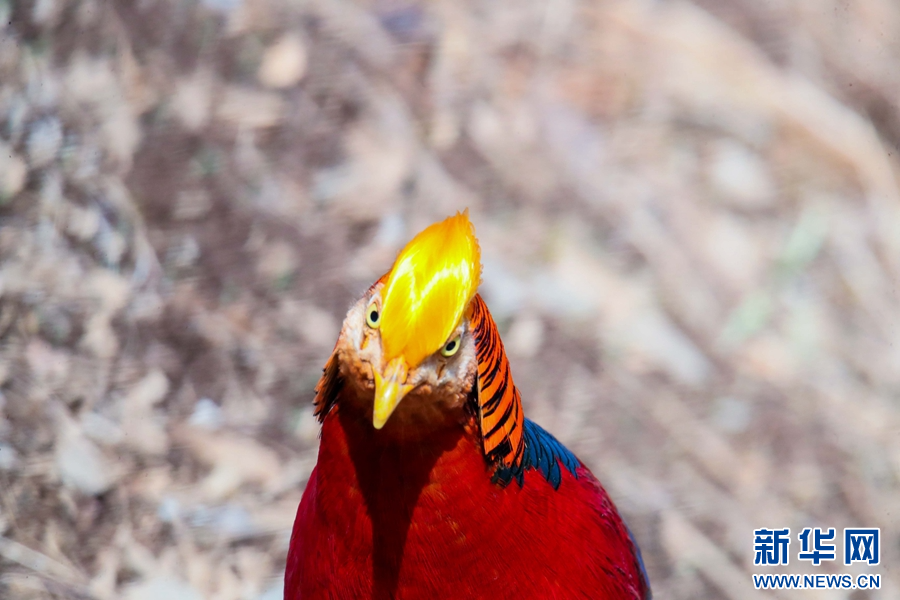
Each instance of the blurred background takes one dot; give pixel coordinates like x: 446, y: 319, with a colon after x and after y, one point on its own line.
x: 690, y: 221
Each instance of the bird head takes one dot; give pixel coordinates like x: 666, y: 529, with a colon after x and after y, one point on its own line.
x: 405, y: 346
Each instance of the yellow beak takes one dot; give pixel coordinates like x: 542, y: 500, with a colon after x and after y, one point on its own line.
x: 389, y: 390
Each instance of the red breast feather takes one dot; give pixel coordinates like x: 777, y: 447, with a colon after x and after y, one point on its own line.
x: 393, y: 522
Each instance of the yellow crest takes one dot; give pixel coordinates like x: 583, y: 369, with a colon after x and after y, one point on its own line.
x: 428, y: 289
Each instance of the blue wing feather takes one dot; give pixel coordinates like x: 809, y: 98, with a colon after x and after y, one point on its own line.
x: 544, y: 453
x: 648, y: 595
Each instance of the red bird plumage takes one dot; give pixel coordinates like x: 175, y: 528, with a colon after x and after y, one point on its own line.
x: 458, y: 496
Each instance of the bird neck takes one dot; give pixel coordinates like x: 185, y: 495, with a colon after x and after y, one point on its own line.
x: 402, y: 444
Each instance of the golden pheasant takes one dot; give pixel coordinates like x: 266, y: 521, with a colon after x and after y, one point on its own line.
x: 430, y: 481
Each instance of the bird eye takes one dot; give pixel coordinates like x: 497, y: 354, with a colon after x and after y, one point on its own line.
x: 373, y: 317
x: 450, y: 347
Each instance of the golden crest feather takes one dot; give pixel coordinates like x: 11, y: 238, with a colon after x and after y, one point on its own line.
x: 428, y: 289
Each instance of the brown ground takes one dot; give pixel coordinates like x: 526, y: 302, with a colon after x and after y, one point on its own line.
x: 690, y: 219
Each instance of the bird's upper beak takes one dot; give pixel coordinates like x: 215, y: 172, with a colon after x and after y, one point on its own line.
x: 390, y: 387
